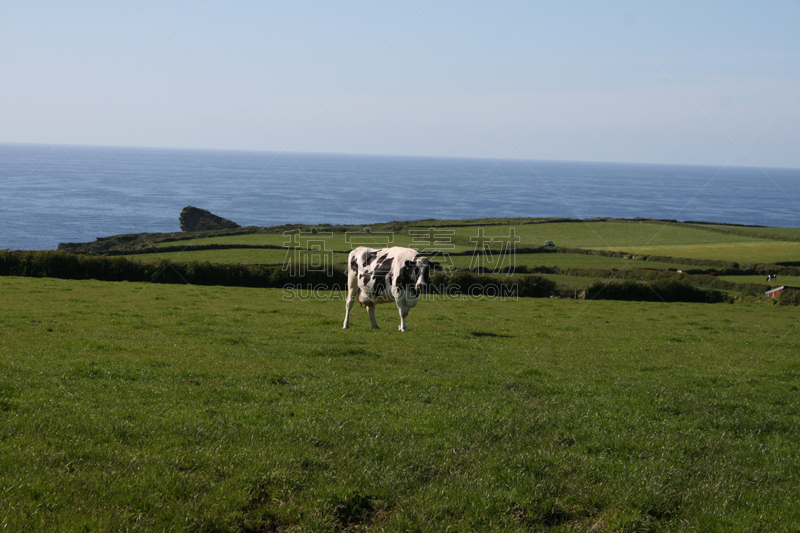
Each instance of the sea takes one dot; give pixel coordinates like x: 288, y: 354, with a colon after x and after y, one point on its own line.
x: 50, y: 195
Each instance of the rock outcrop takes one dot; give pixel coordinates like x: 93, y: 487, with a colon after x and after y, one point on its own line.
x: 194, y: 219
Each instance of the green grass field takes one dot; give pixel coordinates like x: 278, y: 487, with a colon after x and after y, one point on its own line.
x: 681, y: 246
x: 605, y: 234
x: 279, y: 257
x: 740, y: 252
x: 146, y: 407
x: 786, y: 233
x: 646, y: 237
x: 793, y: 281
x: 142, y: 407
x: 574, y: 234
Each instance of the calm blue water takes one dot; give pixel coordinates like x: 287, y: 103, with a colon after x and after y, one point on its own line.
x: 76, y: 194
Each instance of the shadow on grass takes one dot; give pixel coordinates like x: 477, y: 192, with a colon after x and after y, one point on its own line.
x: 487, y: 334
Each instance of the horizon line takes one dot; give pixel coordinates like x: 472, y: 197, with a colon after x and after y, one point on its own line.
x: 360, y: 154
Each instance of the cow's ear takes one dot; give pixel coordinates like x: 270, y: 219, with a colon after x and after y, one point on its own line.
x: 409, y: 264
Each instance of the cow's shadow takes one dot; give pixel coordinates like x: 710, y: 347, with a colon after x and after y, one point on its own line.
x: 487, y: 334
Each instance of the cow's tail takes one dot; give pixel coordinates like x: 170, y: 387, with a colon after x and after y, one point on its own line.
x: 352, y: 289
x: 352, y: 278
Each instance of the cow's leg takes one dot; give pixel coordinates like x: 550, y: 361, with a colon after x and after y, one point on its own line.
x: 352, y: 294
x: 371, y: 310
x: 348, y: 306
x: 403, y: 309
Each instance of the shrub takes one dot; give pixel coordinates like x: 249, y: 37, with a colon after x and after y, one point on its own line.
x: 619, y: 290
x: 535, y: 287
x: 789, y: 297
x: 658, y: 291
x: 527, y: 286
x: 65, y: 265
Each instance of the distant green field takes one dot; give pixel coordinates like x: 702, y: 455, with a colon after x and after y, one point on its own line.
x: 565, y: 260
x: 458, y: 242
x: 652, y: 238
x: 279, y: 257
x: 791, y: 233
x: 134, y: 406
x: 336, y: 241
x: 761, y: 251
x: 605, y: 234
x: 792, y: 281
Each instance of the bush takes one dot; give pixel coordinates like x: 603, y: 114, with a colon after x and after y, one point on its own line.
x: 527, y: 286
x: 65, y: 265
x: 619, y: 290
x: 789, y: 297
x: 658, y: 291
x: 535, y: 287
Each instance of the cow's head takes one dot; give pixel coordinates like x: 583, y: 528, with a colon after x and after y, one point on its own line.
x: 418, y: 270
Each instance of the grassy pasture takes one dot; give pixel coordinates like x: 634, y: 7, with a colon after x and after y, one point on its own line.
x: 334, y: 241
x: 131, y: 406
x: 792, y: 281
x: 643, y: 238
x: 568, y: 260
x: 604, y: 234
x: 575, y: 234
x: 251, y: 256
x: 654, y: 238
x: 787, y: 233
x: 757, y: 252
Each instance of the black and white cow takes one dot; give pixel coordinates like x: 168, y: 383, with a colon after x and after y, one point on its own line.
x: 385, y: 275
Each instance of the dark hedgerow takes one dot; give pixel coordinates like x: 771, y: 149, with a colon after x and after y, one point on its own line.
x: 468, y: 283
x: 71, y: 266
x: 789, y: 297
x: 64, y: 265
x: 658, y: 291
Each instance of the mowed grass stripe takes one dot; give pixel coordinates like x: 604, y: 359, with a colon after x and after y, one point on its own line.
x: 789, y: 233
x: 758, y: 252
x: 604, y: 234
x: 578, y: 234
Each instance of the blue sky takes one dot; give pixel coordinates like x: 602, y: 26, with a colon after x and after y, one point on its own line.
x: 646, y: 81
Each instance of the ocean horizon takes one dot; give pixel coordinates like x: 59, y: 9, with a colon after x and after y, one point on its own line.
x: 79, y: 193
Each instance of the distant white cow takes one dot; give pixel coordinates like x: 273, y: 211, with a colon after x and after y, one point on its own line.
x: 385, y: 275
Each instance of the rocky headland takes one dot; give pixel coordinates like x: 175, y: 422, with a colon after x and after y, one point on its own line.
x: 196, y: 219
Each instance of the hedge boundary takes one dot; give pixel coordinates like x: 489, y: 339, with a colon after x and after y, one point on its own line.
x: 628, y: 283
x: 659, y: 291
x: 66, y: 265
